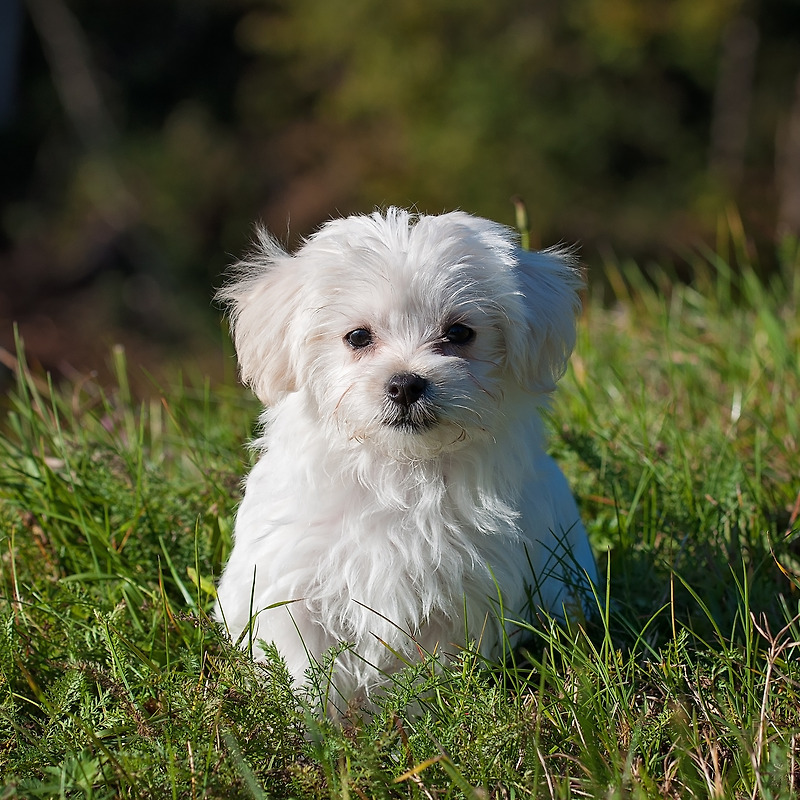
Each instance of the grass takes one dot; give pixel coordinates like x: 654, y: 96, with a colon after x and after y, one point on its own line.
x: 678, y: 426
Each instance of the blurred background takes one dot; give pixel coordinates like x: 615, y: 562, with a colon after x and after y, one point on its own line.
x: 141, y: 139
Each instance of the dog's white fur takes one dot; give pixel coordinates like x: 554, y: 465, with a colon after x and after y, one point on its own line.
x: 396, y: 528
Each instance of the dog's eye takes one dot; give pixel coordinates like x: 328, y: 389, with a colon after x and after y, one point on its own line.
x: 360, y: 337
x: 459, y: 334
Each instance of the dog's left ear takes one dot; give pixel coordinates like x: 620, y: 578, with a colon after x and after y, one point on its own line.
x: 540, y: 343
x: 543, y: 302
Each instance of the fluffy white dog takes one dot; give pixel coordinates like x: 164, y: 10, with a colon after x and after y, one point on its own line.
x: 402, y: 488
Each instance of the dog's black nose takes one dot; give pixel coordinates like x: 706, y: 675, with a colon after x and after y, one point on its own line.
x: 405, y: 388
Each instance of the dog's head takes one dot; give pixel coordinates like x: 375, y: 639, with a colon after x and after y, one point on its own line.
x: 407, y: 332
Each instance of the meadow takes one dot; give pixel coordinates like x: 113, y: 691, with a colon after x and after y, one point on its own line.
x: 678, y: 425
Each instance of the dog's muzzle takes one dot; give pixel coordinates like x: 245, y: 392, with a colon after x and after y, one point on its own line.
x: 407, y: 405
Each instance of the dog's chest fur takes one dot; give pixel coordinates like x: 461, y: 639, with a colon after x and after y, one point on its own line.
x: 384, y: 549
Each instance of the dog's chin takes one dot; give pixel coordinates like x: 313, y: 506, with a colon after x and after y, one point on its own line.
x: 403, y: 439
x: 409, y: 426
x: 411, y: 420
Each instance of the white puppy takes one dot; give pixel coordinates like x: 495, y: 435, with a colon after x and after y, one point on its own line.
x: 402, y: 488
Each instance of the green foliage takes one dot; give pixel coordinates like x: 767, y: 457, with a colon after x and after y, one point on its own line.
x: 600, y: 112
x: 575, y: 104
x: 676, y: 424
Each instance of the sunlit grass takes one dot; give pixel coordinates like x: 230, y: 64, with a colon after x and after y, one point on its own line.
x: 678, y: 427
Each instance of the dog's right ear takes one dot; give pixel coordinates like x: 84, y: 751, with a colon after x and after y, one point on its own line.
x: 262, y: 299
